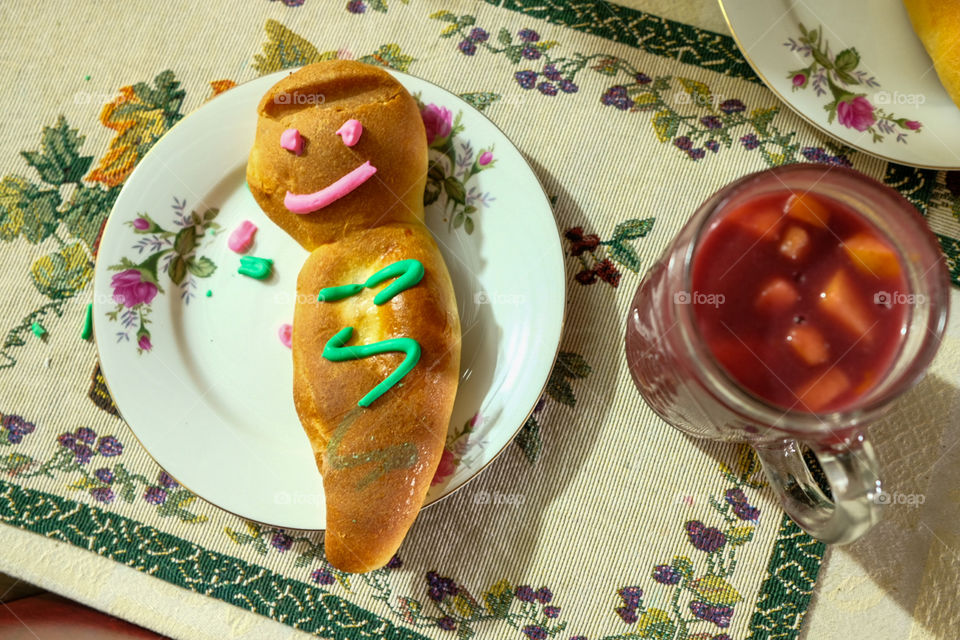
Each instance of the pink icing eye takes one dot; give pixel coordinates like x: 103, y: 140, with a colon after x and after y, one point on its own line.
x: 285, y: 333
x: 350, y: 132
x: 291, y: 140
x: 242, y: 237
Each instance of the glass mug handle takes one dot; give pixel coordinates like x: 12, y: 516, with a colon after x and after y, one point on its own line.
x: 850, y: 471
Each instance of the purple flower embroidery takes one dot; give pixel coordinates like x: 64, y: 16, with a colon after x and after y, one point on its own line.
x: 467, y: 47
x: 530, y: 53
x: 109, y: 446
x: 719, y: 616
x: 665, y: 574
x: 711, y: 122
x: 526, y: 79
x: 544, y: 595
x: 104, y: 475
x: 696, y: 154
x: 567, y: 86
x: 732, y: 106
x: 525, y: 593
x: 683, y: 142
x: 535, y: 632
x: 706, y: 539
x: 83, y: 453
x: 618, y: 97
x: 750, y: 141
x: 155, y: 495
x: 440, y: 587
x: 102, y: 494
x: 551, y: 612
x: 447, y: 623
x: 629, y: 615
x: 322, y: 576
x: 856, y: 114
x: 67, y: 440
x: 547, y: 88
x: 356, y: 6
x: 167, y: 481
x: 550, y: 72
x: 281, y: 541
x: 631, y: 596
x: 713, y: 145
x: 643, y: 78
x: 395, y: 562
x: 478, y: 35
x: 528, y: 35
x: 16, y: 427
x: 86, y: 435
x: 129, y: 288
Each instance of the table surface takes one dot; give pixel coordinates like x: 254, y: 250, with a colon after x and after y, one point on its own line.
x: 897, y: 582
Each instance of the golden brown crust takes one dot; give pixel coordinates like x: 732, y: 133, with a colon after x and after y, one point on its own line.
x: 378, y: 468
x: 317, y: 100
x: 937, y: 22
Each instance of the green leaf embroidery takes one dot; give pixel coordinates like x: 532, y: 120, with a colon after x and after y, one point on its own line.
x: 480, y: 100
x: 665, y: 124
x: 26, y: 210
x: 573, y: 365
x: 633, y: 228
x: 63, y: 273
x: 86, y: 211
x: 529, y: 440
x: 624, y: 254
x: 699, y: 93
x: 504, y: 36
x: 283, y: 49
x: 389, y: 55
x: 59, y: 161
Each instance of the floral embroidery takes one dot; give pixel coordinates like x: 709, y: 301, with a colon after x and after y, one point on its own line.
x: 480, y: 100
x: 360, y: 6
x: 291, y: 3
x: 839, y: 75
x: 453, y: 165
x: 683, y: 111
x: 92, y: 457
x: 175, y: 252
x: 592, y: 252
x: 703, y: 579
x: 569, y: 366
x: 284, y: 49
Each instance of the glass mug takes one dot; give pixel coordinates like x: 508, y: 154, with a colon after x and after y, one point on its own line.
x: 682, y: 382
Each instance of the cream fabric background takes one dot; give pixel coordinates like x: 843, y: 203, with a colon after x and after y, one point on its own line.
x: 887, y: 586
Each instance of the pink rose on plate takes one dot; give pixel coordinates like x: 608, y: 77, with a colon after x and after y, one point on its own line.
x: 913, y: 125
x: 485, y: 158
x: 129, y: 288
x: 446, y: 467
x: 144, y: 343
x: 438, y: 122
x: 856, y: 114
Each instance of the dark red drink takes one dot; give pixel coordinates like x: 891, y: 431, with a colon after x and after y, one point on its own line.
x: 800, y: 299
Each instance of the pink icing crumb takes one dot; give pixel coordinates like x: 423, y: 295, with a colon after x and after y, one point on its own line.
x: 310, y: 202
x: 242, y: 237
x: 350, y: 132
x: 291, y: 140
x: 285, y: 333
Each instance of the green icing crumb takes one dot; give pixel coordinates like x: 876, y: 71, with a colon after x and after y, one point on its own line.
x: 87, y: 323
x: 209, y: 293
x: 38, y: 329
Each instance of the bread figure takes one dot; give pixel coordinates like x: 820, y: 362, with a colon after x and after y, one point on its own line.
x: 339, y: 162
x: 937, y: 22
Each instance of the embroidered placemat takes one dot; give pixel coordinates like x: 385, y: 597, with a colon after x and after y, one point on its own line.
x: 600, y: 521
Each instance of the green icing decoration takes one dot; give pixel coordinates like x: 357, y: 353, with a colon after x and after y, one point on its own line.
x: 87, y: 323
x: 332, y: 294
x: 209, y: 293
x: 408, y: 273
x: 335, y: 351
x: 38, y: 329
x: 254, y: 267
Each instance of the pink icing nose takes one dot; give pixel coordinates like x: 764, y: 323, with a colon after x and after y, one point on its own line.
x: 291, y: 140
x: 350, y: 132
x: 242, y: 237
x: 285, y: 333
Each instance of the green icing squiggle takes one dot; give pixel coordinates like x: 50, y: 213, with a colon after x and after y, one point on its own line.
x: 336, y: 351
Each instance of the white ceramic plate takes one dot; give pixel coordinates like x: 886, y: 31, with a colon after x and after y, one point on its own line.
x: 204, y: 381
x: 865, y: 50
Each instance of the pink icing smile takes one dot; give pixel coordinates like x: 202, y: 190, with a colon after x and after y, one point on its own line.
x: 242, y: 237
x: 310, y: 202
x: 285, y: 333
x: 350, y: 132
x: 291, y: 140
